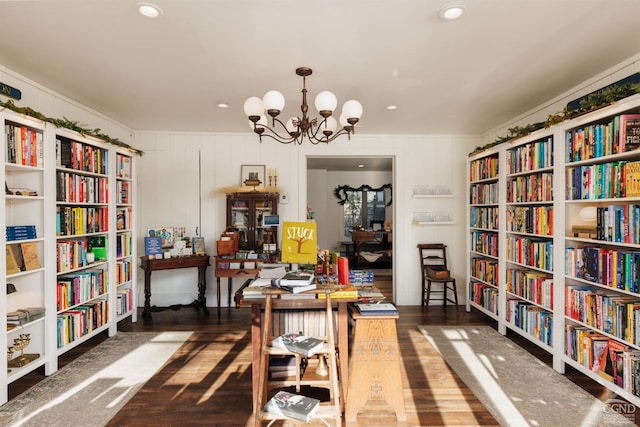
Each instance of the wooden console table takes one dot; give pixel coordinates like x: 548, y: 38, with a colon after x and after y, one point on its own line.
x: 230, y: 274
x: 257, y: 305
x: 201, y: 262
x: 375, y: 365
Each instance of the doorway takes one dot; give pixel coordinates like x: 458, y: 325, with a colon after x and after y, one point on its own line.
x: 325, y: 174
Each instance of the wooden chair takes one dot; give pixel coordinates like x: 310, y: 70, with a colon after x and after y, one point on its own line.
x: 335, y: 407
x: 434, y: 269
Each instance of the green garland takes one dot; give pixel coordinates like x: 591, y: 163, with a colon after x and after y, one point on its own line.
x: 68, y: 124
x: 592, y: 102
x: 341, y: 192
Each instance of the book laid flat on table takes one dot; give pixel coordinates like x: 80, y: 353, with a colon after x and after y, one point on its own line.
x: 377, y: 309
x: 296, y: 278
x: 298, y: 343
x: 293, y: 406
x: 298, y: 288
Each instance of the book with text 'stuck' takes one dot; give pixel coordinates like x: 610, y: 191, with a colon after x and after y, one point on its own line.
x: 297, y: 343
x: 293, y: 406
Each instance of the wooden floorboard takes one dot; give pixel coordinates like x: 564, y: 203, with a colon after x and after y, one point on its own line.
x: 208, y: 381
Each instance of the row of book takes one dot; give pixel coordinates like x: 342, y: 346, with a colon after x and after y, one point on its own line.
x: 76, y: 220
x: 124, y: 301
x: 123, y: 218
x: 619, y: 269
x: 74, y: 188
x: 532, y: 319
x: 534, y: 286
x: 604, y: 356
x: 603, y: 181
x: 613, y: 314
x: 79, y: 156
x: 485, y: 243
x: 484, y: 194
x: 71, y: 254
x: 485, y: 269
x: 24, y: 146
x: 123, y: 245
x: 80, y: 287
x: 484, y: 217
x: 530, y: 219
x: 530, y: 252
x: 82, y: 320
x: 485, y: 296
x: 618, y: 223
x: 620, y: 134
x: 124, y: 271
x: 123, y: 192
x: 530, y: 188
x: 20, y: 232
x: 485, y: 168
x: 530, y: 157
x: 123, y: 166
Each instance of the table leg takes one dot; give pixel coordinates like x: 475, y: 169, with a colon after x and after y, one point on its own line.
x: 343, y: 347
x: 218, y: 294
x: 146, y: 313
x: 256, y: 343
x: 229, y: 282
x: 202, y: 289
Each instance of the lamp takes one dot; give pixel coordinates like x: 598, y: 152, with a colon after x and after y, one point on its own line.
x: 296, y: 129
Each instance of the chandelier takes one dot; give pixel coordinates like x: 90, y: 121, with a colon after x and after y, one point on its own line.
x: 296, y: 129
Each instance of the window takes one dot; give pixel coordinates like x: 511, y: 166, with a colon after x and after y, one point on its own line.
x: 363, y: 209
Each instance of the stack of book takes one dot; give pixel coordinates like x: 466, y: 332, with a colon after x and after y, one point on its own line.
x: 20, y: 232
x: 360, y: 276
x: 297, y: 281
x: 377, y: 309
x: 24, y: 315
x: 285, y: 366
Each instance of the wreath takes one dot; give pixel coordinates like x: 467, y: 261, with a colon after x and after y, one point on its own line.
x: 341, y: 192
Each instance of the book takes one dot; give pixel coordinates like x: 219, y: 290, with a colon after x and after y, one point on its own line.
x: 153, y: 246
x: 298, y: 288
x: 299, y: 242
x: 341, y: 291
x: 291, y: 405
x: 298, y: 343
x: 98, y: 245
x: 376, y: 309
x: 30, y: 255
x: 17, y: 256
x: 12, y: 266
x: 198, y: 245
x: 630, y: 132
x: 296, y: 278
x: 285, y: 366
x: 21, y: 191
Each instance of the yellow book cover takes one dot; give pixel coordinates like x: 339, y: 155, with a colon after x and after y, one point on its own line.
x: 12, y: 264
x: 632, y: 179
x: 300, y: 242
x: 30, y: 255
x: 342, y: 291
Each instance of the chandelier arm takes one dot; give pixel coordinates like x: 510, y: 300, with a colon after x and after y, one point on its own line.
x: 315, y: 140
x: 274, y: 134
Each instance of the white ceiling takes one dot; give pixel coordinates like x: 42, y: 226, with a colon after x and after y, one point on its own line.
x: 501, y: 59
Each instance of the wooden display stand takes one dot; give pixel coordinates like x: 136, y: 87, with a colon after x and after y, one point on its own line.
x: 374, y: 365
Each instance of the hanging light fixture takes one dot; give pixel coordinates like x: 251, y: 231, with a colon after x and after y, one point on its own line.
x: 296, y: 129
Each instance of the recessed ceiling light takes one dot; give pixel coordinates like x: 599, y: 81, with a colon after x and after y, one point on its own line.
x: 392, y: 107
x: 150, y: 10
x: 452, y: 11
x: 360, y: 166
x: 223, y: 105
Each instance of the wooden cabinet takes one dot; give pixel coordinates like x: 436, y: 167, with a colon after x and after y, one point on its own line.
x: 246, y: 213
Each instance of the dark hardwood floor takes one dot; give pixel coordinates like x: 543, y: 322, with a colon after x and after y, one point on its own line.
x: 180, y: 395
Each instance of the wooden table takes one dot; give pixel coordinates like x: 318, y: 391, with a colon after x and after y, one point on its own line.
x: 230, y: 274
x: 201, y: 262
x: 257, y: 305
x: 375, y: 365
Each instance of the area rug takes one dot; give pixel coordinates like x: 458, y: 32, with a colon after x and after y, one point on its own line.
x: 515, y: 386
x: 91, y: 389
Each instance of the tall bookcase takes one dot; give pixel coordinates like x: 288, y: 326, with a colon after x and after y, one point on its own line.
x: 77, y: 278
x: 564, y: 271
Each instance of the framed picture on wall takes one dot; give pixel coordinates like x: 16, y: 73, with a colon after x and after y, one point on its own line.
x: 252, y: 175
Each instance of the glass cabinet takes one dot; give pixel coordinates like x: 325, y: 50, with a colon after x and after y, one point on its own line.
x: 250, y: 214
